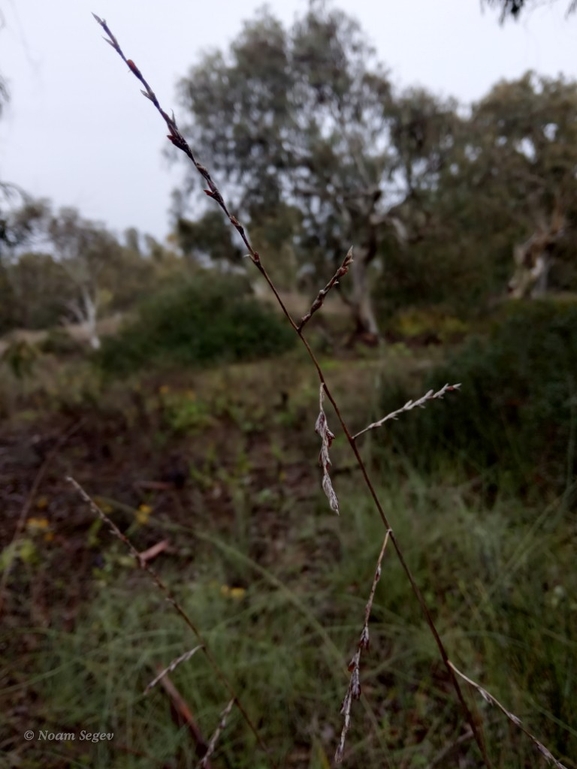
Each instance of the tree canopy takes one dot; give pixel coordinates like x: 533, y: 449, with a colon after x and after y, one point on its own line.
x: 319, y: 151
x: 446, y: 206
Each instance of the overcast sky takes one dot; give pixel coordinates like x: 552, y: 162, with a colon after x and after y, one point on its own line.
x: 78, y: 131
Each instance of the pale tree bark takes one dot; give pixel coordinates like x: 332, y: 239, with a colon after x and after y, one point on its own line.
x: 360, y: 301
x: 83, y: 249
x: 541, y: 275
x: 85, y: 311
x: 533, y: 259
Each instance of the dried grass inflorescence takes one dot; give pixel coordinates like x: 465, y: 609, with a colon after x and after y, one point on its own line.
x: 320, y: 299
x: 174, y: 664
x: 217, y: 732
x: 327, y: 437
x: 354, y: 688
x: 419, y: 403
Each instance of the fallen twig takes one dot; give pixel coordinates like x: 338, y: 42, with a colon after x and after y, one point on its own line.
x: 153, y: 552
x: 184, y: 715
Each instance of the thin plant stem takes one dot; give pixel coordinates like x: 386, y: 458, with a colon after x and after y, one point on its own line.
x: 488, y: 697
x: 178, y: 140
x: 354, y: 688
x: 163, y: 587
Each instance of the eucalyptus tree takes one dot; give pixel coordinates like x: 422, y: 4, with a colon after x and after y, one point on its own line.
x: 315, y: 149
x: 522, y: 146
x: 501, y: 213
x: 86, y: 250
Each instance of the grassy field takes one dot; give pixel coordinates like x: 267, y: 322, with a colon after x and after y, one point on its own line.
x: 221, y: 466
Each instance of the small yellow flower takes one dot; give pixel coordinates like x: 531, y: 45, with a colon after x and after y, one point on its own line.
x: 35, y: 525
x: 143, y: 514
x: 163, y: 389
x: 42, y: 503
x: 49, y: 536
x: 237, y: 593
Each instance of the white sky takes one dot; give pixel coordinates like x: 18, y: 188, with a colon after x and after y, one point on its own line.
x: 78, y: 131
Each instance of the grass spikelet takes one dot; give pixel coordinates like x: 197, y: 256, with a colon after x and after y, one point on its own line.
x: 354, y: 688
x: 327, y: 437
x: 183, y: 658
x: 217, y: 732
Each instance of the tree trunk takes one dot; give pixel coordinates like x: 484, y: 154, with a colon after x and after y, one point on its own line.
x: 532, y: 266
x: 360, y: 302
x: 91, y: 309
x: 85, y: 310
x: 541, y: 276
x: 534, y: 257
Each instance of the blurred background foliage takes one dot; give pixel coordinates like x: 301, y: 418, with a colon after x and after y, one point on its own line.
x: 513, y: 425
x: 208, y: 320
x: 317, y: 150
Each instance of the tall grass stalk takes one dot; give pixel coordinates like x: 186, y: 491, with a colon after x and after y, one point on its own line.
x: 213, y: 192
x: 177, y: 607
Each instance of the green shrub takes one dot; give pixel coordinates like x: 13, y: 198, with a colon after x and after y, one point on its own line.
x: 426, y: 326
x: 59, y: 342
x: 513, y: 422
x: 208, y: 321
x: 20, y: 356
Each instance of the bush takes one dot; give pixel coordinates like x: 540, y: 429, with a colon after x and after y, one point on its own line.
x: 422, y: 327
x: 514, y: 420
x: 208, y: 321
x: 59, y: 342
